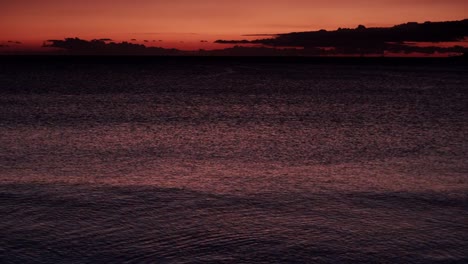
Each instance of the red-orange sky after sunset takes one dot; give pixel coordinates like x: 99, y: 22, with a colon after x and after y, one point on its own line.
x: 189, y: 24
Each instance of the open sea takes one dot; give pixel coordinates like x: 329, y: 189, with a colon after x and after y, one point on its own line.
x: 233, y: 162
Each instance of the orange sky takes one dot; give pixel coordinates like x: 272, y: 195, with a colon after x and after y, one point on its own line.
x: 184, y: 23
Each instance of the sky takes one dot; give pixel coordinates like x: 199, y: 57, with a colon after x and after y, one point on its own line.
x: 184, y: 24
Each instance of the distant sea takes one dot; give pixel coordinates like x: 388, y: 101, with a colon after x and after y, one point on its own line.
x: 193, y: 161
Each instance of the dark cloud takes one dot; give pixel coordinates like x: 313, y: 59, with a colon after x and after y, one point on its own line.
x: 426, y: 50
x: 78, y: 46
x: 105, y: 39
x: 244, y: 41
x: 254, y: 51
x: 405, y: 38
x: 370, y: 40
x: 15, y: 42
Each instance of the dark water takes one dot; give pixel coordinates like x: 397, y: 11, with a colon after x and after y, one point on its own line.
x: 233, y: 163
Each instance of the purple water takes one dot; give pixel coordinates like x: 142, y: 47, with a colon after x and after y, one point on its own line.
x: 233, y: 163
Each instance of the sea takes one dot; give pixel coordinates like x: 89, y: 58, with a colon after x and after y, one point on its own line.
x: 233, y: 161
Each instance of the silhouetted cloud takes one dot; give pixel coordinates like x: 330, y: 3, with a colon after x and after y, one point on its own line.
x: 99, y: 47
x: 76, y: 46
x: 244, y: 41
x: 15, y: 42
x: 370, y: 40
x: 254, y: 51
x: 406, y: 48
x: 405, y: 38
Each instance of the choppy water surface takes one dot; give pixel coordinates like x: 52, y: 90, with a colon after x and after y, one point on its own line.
x: 233, y: 163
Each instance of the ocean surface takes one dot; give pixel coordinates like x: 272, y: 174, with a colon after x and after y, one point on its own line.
x: 232, y: 162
